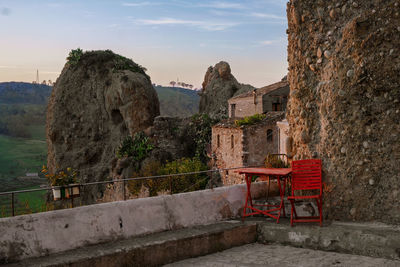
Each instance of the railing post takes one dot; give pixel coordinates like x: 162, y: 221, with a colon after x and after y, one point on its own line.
x: 123, y: 189
x: 12, y: 204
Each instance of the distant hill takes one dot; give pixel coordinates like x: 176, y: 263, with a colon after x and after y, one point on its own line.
x: 24, y: 93
x: 177, y: 102
x: 174, y: 101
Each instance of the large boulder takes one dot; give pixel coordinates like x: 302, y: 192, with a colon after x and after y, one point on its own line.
x: 98, y: 100
x: 219, y: 85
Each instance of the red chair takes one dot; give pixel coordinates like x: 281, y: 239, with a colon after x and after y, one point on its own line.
x: 306, y: 176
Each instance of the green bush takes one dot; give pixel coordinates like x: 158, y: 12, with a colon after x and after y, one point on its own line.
x: 250, y: 120
x: 74, y: 56
x: 123, y: 63
x: 200, y: 132
x: 137, y: 147
x: 176, y: 184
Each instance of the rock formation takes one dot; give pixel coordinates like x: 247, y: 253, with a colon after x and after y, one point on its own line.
x: 219, y: 85
x: 96, y: 102
x: 344, y: 65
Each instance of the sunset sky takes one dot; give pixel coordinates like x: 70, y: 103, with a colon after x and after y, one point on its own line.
x: 172, y: 39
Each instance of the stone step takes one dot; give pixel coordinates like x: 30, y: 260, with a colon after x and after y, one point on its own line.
x: 366, y: 239
x: 155, y: 249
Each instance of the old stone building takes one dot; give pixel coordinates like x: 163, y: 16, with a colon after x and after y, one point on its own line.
x: 234, y: 146
x: 269, y: 98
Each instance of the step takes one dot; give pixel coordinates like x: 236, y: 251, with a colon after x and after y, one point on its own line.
x: 367, y: 239
x: 155, y: 249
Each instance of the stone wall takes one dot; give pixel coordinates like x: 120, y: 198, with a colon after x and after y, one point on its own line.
x: 248, y: 145
x: 278, y: 95
x: 256, y: 144
x: 246, y: 106
x: 227, y: 155
x: 344, y: 105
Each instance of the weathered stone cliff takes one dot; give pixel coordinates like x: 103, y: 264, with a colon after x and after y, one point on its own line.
x: 344, y: 65
x: 97, y: 101
x: 218, y: 86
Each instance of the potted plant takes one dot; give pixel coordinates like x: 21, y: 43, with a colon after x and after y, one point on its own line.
x: 64, y: 183
x: 72, y: 182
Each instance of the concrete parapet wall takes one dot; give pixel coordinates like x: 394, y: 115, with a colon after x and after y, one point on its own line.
x: 56, y: 231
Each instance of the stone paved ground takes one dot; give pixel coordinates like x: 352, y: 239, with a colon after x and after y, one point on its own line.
x: 275, y: 255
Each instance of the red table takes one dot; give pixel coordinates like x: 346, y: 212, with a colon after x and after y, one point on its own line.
x: 277, y: 173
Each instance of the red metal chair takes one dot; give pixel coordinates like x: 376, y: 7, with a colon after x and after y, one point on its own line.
x: 306, y: 176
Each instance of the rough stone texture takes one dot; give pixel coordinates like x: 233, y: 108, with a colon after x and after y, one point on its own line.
x: 344, y: 103
x: 234, y: 147
x: 219, y: 85
x: 50, y: 232
x: 282, y: 256
x: 92, y: 108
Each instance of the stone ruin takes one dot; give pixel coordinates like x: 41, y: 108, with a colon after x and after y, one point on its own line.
x: 344, y: 104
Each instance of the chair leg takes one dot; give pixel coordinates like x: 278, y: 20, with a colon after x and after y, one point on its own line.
x: 291, y: 212
x: 319, y: 205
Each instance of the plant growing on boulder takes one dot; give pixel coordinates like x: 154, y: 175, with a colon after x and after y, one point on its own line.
x: 74, y: 56
x: 200, y: 132
x: 137, y: 147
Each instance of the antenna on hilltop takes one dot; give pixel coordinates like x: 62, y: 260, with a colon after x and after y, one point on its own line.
x: 37, y: 76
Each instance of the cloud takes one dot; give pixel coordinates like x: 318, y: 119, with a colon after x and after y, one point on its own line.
x: 137, y: 4
x: 271, y: 42
x: 222, y: 5
x: 267, y: 16
x: 207, y: 25
x: 267, y: 42
x: 4, y: 11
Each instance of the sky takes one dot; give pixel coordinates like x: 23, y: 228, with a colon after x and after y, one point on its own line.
x: 173, y: 39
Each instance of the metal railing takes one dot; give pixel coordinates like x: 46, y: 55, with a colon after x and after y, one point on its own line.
x: 13, y: 194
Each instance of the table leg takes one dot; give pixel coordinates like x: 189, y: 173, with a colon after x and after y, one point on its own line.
x: 281, y: 193
x: 248, y: 195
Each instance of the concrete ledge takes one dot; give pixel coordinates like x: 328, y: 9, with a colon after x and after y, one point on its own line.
x: 156, y: 249
x: 46, y: 233
x: 367, y: 239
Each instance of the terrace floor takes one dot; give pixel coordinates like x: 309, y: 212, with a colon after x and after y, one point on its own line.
x: 256, y: 254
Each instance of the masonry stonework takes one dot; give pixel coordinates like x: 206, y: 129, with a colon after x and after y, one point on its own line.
x: 234, y: 146
x: 344, y: 104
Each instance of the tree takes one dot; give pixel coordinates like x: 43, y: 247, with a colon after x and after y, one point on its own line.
x: 172, y: 83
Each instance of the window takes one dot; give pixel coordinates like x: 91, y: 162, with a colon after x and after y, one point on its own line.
x: 218, y: 141
x: 269, y: 135
x: 233, y: 110
x: 232, y: 142
x: 276, y: 106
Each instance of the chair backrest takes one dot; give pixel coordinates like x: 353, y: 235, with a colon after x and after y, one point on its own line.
x: 306, y: 175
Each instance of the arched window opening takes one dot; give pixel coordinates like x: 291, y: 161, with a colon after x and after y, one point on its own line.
x: 269, y: 135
